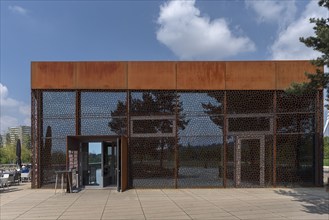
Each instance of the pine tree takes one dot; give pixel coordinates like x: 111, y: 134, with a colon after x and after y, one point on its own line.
x: 319, y: 42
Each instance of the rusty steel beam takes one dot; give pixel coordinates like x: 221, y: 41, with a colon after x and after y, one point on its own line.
x: 155, y: 75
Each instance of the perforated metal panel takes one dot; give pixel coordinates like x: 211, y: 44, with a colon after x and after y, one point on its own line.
x: 295, y: 160
x: 153, y: 158
x: 201, y: 141
x: 58, y: 118
x: 181, y: 139
x: 103, y: 113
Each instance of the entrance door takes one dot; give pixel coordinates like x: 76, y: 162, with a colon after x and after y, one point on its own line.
x: 91, y: 164
x: 250, y: 161
x: 109, y: 163
x: 102, y: 160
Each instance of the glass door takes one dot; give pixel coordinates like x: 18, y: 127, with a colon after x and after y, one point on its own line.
x: 90, y: 164
x: 94, y: 164
x: 109, y: 163
x: 250, y: 161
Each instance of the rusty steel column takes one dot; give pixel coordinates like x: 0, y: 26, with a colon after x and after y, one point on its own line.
x: 78, y: 112
x: 224, y: 162
x: 176, y: 141
x: 34, y: 129
x: 39, y: 137
x: 130, y: 180
x: 318, y: 148
x: 274, y: 137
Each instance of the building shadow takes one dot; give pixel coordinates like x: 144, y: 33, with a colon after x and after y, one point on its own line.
x: 317, y: 202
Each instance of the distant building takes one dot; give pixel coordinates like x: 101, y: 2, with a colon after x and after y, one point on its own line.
x: 18, y: 132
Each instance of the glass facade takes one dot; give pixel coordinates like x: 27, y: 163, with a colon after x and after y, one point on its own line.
x: 185, y: 139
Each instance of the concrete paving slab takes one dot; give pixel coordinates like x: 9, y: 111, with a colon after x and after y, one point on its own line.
x: 266, y: 203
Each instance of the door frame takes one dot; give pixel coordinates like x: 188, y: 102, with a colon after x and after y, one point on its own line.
x: 74, y: 144
x: 237, y: 158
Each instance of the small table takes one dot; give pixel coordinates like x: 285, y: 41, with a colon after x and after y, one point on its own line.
x: 63, y: 173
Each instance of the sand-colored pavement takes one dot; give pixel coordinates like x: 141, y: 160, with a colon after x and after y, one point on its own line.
x: 21, y: 202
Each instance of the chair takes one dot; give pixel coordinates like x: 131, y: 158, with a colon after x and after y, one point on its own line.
x: 25, y: 176
x: 4, y: 181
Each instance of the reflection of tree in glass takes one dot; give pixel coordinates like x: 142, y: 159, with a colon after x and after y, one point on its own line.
x: 303, y: 106
x: 47, y: 149
x: 288, y: 102
x: 151, y: 103
x: 118, y: 124
x: 214, y: 110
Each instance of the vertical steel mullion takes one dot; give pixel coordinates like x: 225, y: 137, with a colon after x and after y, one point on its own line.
x: 77, y: 120
x: 320, y: 130
x: 274, y: 137
x: 224, y: 163
x: 128, y: 137
x: 176, y: 140
x: 318, y: 142
x: 33, y: 139
x: 39, y: 152
x: 77, y: 112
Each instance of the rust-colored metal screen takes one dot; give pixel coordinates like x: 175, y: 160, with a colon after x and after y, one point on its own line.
x: 185, y: 139
x: 58, y: 121
x: 103, y: 113
x: 152, y: 142
x: 200, y: 141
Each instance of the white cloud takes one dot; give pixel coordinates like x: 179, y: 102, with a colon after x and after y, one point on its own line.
x: 279, y: 11
x: 13, y: 112
x: 192, y: 36
x: 25, y: 109
x: 4, y: 99
x: 7, y: 121
x: 287, y: 45
x: 17, y: 9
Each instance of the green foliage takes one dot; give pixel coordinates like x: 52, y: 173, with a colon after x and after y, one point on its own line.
x: 27, y: 141
x: 319, y: 42
x: 326, y: 150
x: 8, y: 154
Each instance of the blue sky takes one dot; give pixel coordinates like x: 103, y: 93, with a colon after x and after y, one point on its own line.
x: 142, y: 30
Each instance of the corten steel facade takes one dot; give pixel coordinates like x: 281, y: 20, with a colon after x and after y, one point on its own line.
x: 183, y: 124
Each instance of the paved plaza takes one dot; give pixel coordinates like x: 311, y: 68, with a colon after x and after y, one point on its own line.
x: 21, y: 202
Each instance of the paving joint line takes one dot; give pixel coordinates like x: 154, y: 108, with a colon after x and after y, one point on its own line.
x: 22, y: 196
x: 213, y: 204
x: 32, y: 206
x: 106, y: 204
x: 70, y: 205
x: 176, y: 203
x: 247, y: 201
x: 140, y: 203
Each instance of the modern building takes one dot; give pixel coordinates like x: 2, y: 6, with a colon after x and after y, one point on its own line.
x: 176, y: 124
